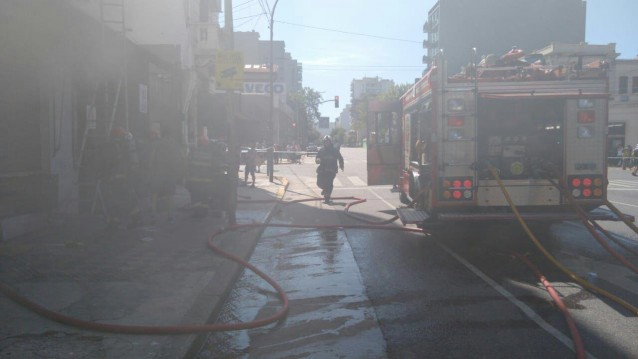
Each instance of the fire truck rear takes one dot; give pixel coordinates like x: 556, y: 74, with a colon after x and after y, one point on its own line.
x: 542, y: 128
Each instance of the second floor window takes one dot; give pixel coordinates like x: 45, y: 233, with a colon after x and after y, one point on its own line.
x: 623, y: 83
x: 203, y: 10
x: 634, y: 84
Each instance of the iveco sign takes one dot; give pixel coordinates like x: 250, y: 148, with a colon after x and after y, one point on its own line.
x: 260, y: 88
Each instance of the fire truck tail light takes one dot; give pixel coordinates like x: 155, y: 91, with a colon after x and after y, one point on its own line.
x: 586, y: 187
x: 457, y: 188
x: 456, y: 121
x: 586, y: 116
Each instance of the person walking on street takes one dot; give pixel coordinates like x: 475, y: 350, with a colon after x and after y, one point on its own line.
x: 635, y: 170
x: 626, y: 157
x: 328, y: 158
x: 249, y: 168
x: 619, y: 152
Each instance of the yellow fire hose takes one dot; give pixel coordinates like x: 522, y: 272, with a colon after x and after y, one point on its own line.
x: 621, y: 216
x: 562, y: 268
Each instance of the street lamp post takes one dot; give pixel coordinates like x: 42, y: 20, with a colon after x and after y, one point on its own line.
x: 270, y: 164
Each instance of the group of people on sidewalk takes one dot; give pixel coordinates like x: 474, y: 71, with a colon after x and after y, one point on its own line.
x: 129, y: 175
x: 628, y: 158
x: 137, y: 181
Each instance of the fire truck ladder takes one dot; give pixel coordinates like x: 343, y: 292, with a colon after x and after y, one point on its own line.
x: 98, y: 127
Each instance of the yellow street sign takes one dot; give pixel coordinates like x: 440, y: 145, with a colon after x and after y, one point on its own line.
x: 229, y: 70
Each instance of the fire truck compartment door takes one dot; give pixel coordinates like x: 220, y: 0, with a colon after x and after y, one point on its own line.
x: 385, y: 145
x: 521, y: 192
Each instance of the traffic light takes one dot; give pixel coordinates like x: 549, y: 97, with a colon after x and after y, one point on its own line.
x: 336, y: 101
x: 294, y: 124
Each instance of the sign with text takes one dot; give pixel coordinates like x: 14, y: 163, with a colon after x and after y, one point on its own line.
x: 229, y: 70
x: 260, y: 88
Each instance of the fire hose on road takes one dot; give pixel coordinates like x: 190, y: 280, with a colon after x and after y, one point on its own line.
x: 382, y: 225
x: 197, y: 328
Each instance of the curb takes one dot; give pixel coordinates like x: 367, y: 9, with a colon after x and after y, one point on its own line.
x: 229, y: 280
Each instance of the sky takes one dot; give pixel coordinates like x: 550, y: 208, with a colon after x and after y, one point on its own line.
x: 340, y: 40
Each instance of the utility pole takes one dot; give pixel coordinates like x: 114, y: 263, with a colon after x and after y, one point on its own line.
x: 270, y: 164
x: 233, y: 147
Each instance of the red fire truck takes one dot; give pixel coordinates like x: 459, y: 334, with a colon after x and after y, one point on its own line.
x: 540, y: 127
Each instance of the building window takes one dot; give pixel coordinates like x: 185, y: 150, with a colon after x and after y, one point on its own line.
x: 634, y: 84
x: 203, y: 34
x: 623, y: 82
x: 204, y: 9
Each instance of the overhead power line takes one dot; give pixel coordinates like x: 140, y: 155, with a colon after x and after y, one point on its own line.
x: 250, y: 18
x: 347, y: 32
x: 242, y: 4
x: 247, y: 17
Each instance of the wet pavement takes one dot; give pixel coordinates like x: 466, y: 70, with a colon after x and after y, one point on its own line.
x: 330, y: 315
x: 152, y: 275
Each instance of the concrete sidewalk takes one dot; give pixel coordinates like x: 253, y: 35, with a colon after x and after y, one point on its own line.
x: 160, y: 275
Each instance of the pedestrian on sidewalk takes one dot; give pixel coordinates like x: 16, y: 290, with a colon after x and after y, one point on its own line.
x: 249, y: 168
x: 165, y: 171
x: 328, y: 158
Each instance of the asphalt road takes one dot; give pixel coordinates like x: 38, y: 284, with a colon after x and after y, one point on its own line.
x: 458, y: 293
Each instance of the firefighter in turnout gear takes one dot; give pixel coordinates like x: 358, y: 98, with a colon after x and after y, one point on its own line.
x: 328, y: 158
x: 120, y: 177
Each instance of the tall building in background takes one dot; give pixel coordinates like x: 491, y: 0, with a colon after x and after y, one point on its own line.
x: 345, y: 119
x: 623, y: 105
x: 495, y: 26
x: 368, y: 87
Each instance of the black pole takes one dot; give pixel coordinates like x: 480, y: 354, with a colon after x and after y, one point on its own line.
x: 233, y: 147
x: 271, y: 148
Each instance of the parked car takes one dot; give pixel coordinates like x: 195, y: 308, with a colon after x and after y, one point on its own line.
x: 311, y: 148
